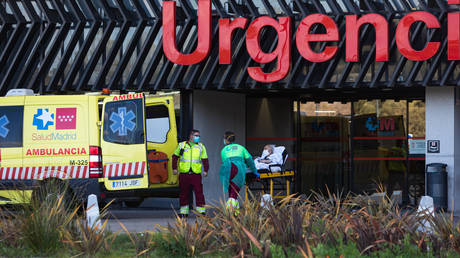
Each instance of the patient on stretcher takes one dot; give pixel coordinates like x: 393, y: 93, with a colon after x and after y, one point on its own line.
x: 269, y: 158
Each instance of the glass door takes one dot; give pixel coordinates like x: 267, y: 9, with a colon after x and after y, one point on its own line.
x: 324, y: 146
x: 379, y: 144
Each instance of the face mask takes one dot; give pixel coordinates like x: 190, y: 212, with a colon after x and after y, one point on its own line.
x: 196, y: 139
x: 265, y: 153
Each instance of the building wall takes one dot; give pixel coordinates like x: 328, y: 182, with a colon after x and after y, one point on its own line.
x: 213, y: 114
x: 443, y: 123
x: 270, y: 118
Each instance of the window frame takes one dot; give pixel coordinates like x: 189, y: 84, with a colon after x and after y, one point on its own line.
x: 21, y: 136
x: 142, y: 120
x: 169, y: 123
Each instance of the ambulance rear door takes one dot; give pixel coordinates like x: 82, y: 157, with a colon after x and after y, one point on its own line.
x: 161, y: 132
x: 123, y: 143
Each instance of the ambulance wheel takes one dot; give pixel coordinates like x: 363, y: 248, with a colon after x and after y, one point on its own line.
x: 134, y: 203
x: 51, y: 190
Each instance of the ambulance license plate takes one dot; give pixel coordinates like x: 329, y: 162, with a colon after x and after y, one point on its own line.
x: 126, y: 183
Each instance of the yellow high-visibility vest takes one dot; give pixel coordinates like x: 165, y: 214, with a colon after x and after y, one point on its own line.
x: 191, y: 157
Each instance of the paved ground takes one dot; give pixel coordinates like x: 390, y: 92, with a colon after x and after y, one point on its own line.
x: 152, y: 213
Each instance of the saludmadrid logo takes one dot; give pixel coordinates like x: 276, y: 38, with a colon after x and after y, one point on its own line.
x: 54, y: 137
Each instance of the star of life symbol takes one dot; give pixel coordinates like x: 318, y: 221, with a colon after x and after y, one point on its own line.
x: 3, y: 130
x: 43, y: 119
x: 372, y: 124
x: 122, y: 121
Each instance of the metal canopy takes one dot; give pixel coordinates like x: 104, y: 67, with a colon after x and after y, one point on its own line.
x: 87, y: 45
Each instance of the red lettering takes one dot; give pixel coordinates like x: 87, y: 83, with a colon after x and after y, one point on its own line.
x: 387, y: 124
x: 226, y: 31
x: 74, y: 151
x: 66, y: 151
x: 282, y: 51
x: 28, y: 153
x: 403, y: 36
x: 453, y: 33
x: 204, y: 34
x: 35, y: 152
x: 114, y: 98
x: 60, y: 152
x: 353, y: 26
x: 303, y: 37
x: 83, y: 151
x: 42, y: 152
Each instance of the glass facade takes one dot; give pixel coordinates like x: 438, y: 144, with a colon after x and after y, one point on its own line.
x: 362, y: 146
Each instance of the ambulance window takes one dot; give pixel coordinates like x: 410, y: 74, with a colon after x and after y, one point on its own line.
x: 157, y: 122
x: 123, y: 122
x: 11, y: 125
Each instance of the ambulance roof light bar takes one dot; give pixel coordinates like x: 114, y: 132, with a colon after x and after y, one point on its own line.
x: 19, y: 92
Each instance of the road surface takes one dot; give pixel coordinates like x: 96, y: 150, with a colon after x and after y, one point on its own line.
x: 153, y: 212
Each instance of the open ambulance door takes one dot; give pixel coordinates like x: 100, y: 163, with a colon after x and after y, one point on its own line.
x: 123, y: 143
x: 161, y: 136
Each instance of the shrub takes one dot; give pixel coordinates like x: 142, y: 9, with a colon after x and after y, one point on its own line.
x: 44, y: 220
x: 331, y: 225
x: 88, y: 239
x: 230, y: 228
x: 446, y: 233
x: 189, y: 239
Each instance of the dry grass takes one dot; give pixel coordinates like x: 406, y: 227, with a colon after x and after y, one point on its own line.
x: 320, y: 220
x: 292, y: 227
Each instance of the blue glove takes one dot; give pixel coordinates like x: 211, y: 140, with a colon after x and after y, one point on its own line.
x: 257, y: 174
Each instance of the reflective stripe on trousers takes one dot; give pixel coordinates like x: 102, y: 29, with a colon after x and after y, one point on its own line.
x: 233, y: 203
x: 184, y: 210
x: 201, y: 209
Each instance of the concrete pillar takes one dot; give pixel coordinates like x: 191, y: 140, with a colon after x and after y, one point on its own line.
x: 213, y: 114
x: 443, y: 123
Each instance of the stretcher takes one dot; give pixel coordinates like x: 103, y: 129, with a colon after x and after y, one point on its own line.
x: 277, y: 184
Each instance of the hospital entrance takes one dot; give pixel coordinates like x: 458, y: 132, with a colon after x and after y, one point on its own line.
x: 358, y: 145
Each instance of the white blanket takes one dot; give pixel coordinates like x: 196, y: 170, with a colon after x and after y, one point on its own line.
x: 275, y: 159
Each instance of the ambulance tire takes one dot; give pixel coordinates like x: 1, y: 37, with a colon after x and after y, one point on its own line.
x: 53, y: 188
x: 134, y: 203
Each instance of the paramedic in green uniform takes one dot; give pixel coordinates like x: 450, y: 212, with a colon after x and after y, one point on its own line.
x: 235, y: 160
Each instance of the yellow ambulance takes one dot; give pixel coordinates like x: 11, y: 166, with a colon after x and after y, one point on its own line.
x: 113, y: 146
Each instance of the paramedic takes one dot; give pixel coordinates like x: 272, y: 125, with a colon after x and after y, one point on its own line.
x: 232, y: 172
x: 269, y: 157
x: 193, y: 161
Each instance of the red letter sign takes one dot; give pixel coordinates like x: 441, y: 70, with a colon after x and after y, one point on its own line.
x: 282, y: 51
x: 352, y: 36
x: 453, y: 34
x: 204, y: 34
x: 226, y: 31
x: 403, y: 36
x: 303, y: 37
